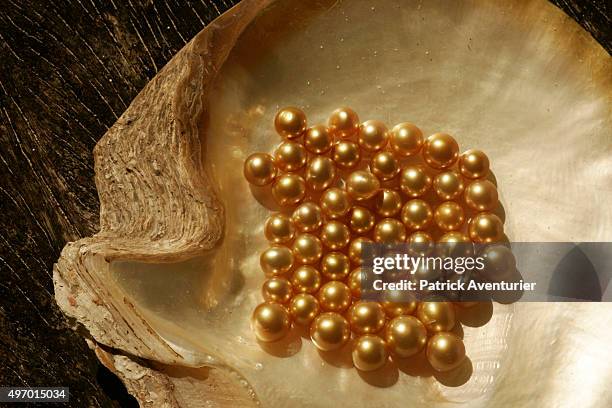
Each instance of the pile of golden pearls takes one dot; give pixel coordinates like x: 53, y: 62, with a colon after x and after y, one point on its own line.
x: 348, y: 183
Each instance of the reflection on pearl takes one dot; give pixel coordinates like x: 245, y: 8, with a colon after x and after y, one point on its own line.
x: 388, y: 203
x: 361, y: 220
x: 362, y: 185
x: 289, y: 189
x: 420, y: 243
x: 270, y: 322
x: 335, y: 235
x: 481, y: 195
x: 290, y: 122
x: 405, y: 336
x: 307, y: 217
x: 279, y: 229
x: 437, y: 316
x: 343, y: 122
x: 335, y: 265
x: 329, y: 331
x: 445, y: 351
x: 366, y: 317
x: 354, y: 282
x: 485, y: 228
x: 318, y: 140
x: 259, y: 169
x: 389, y: 231
x: 356, y: 248
x: 449, y: 216
x: 440, y: 151
x: 373, y: 135
x: 474, y: 164
x: 307, y: 248
x: 335, y: 202
x: 416, y: 214
x: 277, y: 290
x: 306, y: 279
x: 384, y: 166
x: 276, y: 260
x: 334, y: 296
x: 320, y: 173
x: 290, y: 156
x: 414, y: 181
x: 448, y: 185
x: 369, y: 353
x: 346, y: 155
x: 406, y: 139
x: 304, y: 308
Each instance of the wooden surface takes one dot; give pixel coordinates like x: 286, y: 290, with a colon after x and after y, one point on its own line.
x: 67, y: 72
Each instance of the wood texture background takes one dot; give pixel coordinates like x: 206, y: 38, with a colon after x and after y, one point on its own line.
x: 67, y: 71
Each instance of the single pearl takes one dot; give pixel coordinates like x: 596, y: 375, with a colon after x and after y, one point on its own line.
x: 366, y: 317
x: 306, y: 279
x: 276, y: 260
x: 369, y: 353
x: 343, y: 122
x: 437, y: 316
x: 335, y: 265
x: 373, y: 135
x: 420, y: 243
x: 307, y: 248
x: 335, y: 235
x: 279, y: 229
x: 445, y: 351
x: 361, y: 220
x: 270, y: 322
x: 354, y: 282
x: 307, y: 217
x: 335, y: 202
x: 356, y: 248
x: 289, y: 189
x: 329, y: 331
x: 304, y: 308
x: 384, y: 166
x: 449, y: 216
x: 500, y: 263
x: 320, y: 173
x: 388, y: 203
x: 346, y: 155
x: 277, y: 290
x: 405, y: 336
x: 454, y: 244
x: 414, y: 181
x: 440, y: 151
x: 290, y: 122
x: 406, y: 139
x: 389, y: 230
x: 485, y: 228
x: 259, y: 169
x: 448, y: 185
x: 362, y: 185
x: 334, y: 296
x: 474, y: 164
x: 398, y: 302
x: 318, y: 140
x: 290, y: 156
x: 481, y: 195
x: 416, y: 214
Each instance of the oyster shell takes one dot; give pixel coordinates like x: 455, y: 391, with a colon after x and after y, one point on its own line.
x: 165, y: 289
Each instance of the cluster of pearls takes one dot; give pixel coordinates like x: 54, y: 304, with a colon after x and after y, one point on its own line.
x: 348, y: 183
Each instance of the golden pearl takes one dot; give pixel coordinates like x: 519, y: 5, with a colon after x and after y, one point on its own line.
x: 307, y: 248
x: 290, y: 156
x: 335, y: 235
x: 343, y: 122
x: 384, y: 166
x: 366, y: 317
x: 414, y: 181
x: 335, y: 202
x: 454, y: 244
x: 356, y: 248
x: 306, y: 279
x: 437, y: 316
x: 440, y: 151
x: 279, y: 229
x: 389, y: 231
x: 330, y: 331
x: 448, y: 185
x: 354, y: 282
x: 277, y: 290
x: 420, y: 243
x: 259, y: 169
x: 388, y: 203
x: 362, y: 220
x: 406, y: 139
x: 449, y: 216
x: 416, y: 214
x: 304, y: 308
x: 362, y: 185
x: 486, y: 228
x: 474, y: 164
x: 445, y: 351
x: 289, y: 189
x: 307, y: 217
x: 481, y: 195
x: 276, y: 260
x: 290, y: 122
x: 270, y: 322
x: 373, y: 135
x: 320, y: 173
x: 318, y: 140
x: 346, y: 155
x: 334, y: 296
x: 369, y: 353
x: 500, y: 263
x: 397, y: 303
x: 335, y: 265
x: 405, y: 336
